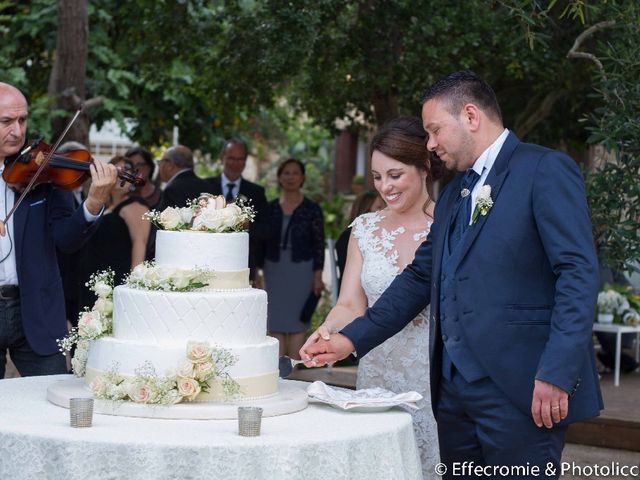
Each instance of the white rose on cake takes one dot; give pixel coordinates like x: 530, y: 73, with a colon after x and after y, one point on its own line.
x: 82, y: 350
x: 117, y: 392
x: 137, y: 274
x: 170, y: 218
x: 185, y: 370
x: 231, y: 214
x: 181, y: 278
x: 186, y: 215
x: 102, y: 289
x: 152, y: 276
x: 103, y: 306
x: 209, y: 219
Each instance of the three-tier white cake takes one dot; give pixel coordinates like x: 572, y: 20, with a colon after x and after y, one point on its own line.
x: 155, y: 326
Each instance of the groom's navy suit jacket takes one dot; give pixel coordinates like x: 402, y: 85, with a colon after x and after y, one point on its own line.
x: 45, y: 220
x: 525, y: 286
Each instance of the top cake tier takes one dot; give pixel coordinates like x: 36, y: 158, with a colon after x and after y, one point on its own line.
x: 212, y: 251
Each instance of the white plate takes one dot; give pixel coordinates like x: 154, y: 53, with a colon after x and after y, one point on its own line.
x: 366, y: 408
x: 360, y: 408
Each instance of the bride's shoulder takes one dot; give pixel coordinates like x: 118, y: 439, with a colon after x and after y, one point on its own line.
x: 365, y: 222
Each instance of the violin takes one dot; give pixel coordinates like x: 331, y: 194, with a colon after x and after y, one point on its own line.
x: 67, y: 171
x: 39, y: 163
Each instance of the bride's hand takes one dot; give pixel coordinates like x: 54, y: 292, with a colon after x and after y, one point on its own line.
x: 323, y: 332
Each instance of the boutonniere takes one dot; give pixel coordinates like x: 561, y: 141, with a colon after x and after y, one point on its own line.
x: 483, y: 203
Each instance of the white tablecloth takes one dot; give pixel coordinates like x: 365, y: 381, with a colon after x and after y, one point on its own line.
x: 320, y: 442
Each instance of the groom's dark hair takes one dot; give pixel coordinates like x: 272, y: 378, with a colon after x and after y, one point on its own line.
x: 460, y: 88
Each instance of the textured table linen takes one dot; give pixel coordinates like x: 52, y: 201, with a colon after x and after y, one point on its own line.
x: 320, y: 442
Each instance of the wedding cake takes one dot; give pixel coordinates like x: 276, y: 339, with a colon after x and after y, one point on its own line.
x: 154, y: 326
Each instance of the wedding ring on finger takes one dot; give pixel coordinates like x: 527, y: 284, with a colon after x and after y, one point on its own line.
x: 555, y: 407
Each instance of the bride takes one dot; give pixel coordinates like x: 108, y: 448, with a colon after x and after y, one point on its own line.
x: 382, y: 244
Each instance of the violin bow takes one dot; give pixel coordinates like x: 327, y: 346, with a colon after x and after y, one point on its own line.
x: 42, y: 166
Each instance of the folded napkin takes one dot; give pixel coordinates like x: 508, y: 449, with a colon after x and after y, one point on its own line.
x: 369, y: 397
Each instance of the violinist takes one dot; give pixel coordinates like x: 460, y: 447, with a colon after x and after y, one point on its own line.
x: 32, y: 311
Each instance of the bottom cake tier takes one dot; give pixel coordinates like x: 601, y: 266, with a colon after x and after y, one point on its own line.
x: 256, y: 369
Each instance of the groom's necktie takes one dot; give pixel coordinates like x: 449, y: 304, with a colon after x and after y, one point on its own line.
x: 460, y: 221
x: 230, y: 196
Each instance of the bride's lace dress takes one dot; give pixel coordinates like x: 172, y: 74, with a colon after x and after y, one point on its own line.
x: 401, y: 363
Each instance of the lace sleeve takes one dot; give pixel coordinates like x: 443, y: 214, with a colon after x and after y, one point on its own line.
x: 363, y: 227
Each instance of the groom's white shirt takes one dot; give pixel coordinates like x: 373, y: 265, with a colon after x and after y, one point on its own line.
x: 483, y: 165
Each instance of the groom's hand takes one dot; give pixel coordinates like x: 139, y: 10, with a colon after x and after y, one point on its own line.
x: 323, y: 352
x: 550, y: 404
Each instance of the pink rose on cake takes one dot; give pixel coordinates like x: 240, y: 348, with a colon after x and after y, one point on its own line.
x: 140, y: 392
x: 189, y: 388
x: 98, y: 386
x: 204, y: 371
x: 198, y: 352
x: 89, y: 325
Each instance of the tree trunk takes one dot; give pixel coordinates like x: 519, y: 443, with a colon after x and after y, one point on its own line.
x: 385, y: 105
x: 66, y: 84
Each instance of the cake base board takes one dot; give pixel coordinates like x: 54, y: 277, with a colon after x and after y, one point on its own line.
x: 290, y: 398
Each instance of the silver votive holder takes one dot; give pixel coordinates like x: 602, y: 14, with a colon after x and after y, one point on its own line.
x: 249, y: 419
x: 80, y: 412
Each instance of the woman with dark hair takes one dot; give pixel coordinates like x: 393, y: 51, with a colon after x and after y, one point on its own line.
x: 120, y: 241
x: 294, y: 257
x: 368, y: 201
x: 142, y: 161
x: 382, y: 244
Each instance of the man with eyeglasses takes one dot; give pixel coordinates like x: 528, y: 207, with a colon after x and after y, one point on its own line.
x: 233, y: 186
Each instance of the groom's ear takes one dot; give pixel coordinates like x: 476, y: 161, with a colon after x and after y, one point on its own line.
x: 471, y: 116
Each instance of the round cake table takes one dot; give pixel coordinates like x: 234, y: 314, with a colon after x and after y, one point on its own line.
x: 319, y: 442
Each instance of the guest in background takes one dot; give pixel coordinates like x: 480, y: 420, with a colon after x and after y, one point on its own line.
x: 294, y: 257
x: 68, y: 262
x: 232, y: 185
x: 182, y: 183
x: 369, y: 201
x: 142, y: 161
x: 121, y: 239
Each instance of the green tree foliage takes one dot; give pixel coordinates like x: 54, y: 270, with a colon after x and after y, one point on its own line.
x: 610, y: 50
x: 614, y: 188
x: 209, y: 67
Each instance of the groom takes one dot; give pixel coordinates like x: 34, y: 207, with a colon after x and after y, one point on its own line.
x: 510, y: 270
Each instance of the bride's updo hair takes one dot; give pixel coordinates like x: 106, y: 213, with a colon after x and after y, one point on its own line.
x: 404, y: 140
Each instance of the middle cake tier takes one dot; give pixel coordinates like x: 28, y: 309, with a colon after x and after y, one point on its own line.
x: 231, y: 317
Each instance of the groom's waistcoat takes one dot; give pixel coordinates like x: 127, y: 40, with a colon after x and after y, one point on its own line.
x: 456, y: 352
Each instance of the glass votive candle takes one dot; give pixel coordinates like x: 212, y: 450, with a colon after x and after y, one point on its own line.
x: 80, y: 412
x: 249, y: 419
